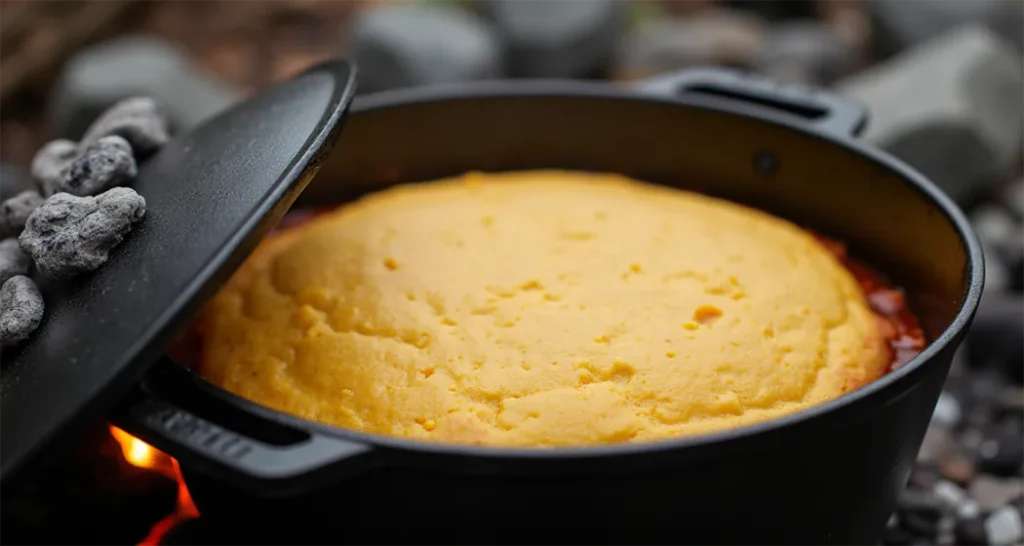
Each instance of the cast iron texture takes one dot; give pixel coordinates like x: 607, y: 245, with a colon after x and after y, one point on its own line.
x: 211, y: 196
x: 826, y: 475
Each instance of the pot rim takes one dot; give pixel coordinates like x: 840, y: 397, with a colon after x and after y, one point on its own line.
x: 539, y: 88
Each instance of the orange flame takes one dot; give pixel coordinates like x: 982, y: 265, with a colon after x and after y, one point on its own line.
x: 142, y: 455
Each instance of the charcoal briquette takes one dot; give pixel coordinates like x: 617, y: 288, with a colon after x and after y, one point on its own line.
x: 138, y: 120
x: 15, y: 211
x: 21, y: 310
x: 69, y: 235
x: 104, y: 164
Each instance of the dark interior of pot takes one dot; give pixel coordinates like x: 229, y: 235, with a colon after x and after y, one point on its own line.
x: 885, y: 221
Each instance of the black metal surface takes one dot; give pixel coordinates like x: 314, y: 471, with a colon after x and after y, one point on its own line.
x: 211, y: 196
x: 829, y: 474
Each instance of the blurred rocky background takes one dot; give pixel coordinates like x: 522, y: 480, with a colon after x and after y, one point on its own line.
x: 942, y: 78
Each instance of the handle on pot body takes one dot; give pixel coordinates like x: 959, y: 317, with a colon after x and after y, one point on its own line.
x: 827, y: 112
x: 215, y: 441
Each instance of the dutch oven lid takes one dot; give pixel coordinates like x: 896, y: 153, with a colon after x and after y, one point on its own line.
x: 211, y: 195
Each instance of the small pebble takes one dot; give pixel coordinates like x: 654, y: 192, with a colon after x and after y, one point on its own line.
x: 947, y: 410
x: 956, y: 468
x: 13, y: 260
x: 137, y: 119
x: 969, y: 509
x: 991, y: 492
x: 14, y: 212
x: 1004, y: 526
x: 102, y: 165
x: 949, y: 493
x: 21, y: 310
x: 69, y: 235
x: 50, y: 161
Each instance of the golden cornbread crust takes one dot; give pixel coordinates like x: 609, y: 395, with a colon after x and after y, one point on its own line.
x: 542, y: 308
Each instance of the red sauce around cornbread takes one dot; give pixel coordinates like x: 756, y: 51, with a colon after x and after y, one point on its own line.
x: 899, y: 326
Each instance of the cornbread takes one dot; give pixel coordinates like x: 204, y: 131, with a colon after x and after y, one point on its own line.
x: 541, y: 308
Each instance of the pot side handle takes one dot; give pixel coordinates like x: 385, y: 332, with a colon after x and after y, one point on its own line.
x: 827, y: 112
x: 237, y: 444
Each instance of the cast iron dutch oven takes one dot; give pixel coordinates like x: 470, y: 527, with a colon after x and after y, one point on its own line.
x: 830, y: 474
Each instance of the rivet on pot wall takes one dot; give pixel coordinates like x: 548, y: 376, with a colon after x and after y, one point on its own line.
x: 766, y: 162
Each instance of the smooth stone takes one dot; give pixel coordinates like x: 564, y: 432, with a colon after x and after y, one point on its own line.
x: 557, y: 38
x: 898, y: 24
x: 408, y: 44
x: 717, y: 36
x: 805, y: 51
x: 951, y: 107
x: 956, y: 468
x: 991, y: 492
x: 968, y: 509
x: 1004, y: 526
x: 950, y: 494
x: 100, y: 76
x: 947, y: 410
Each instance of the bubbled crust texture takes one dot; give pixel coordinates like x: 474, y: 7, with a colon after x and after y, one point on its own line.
x: 541, y: 309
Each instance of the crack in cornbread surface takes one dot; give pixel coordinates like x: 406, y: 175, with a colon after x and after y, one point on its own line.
x: 541, y: 308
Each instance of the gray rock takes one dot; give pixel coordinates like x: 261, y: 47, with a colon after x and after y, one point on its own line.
x: 991, y: 493
x: 13, y: 260
x: 104, y: 164
x: 949, y: 494
x: 805, y: 52
x: 951, y: 107
x: 947, y: 411
x: 409, y: 44
x: 1002, y: 240
x: 969, y: 509
x: 21, y: 310
x: 558, y: 39
x: 100, y: 76
x: 1004, y: 526
x: 899, y: 24
x: 69, y: 235
x: 139, y: 120
x: 715, y: 36
x: 14, y: 212
x: 50, y: 161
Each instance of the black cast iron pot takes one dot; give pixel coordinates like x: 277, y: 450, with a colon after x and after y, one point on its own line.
x: 830, y: 474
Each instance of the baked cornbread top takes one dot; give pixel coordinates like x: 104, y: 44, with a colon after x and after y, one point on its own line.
x: 541, y: 308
